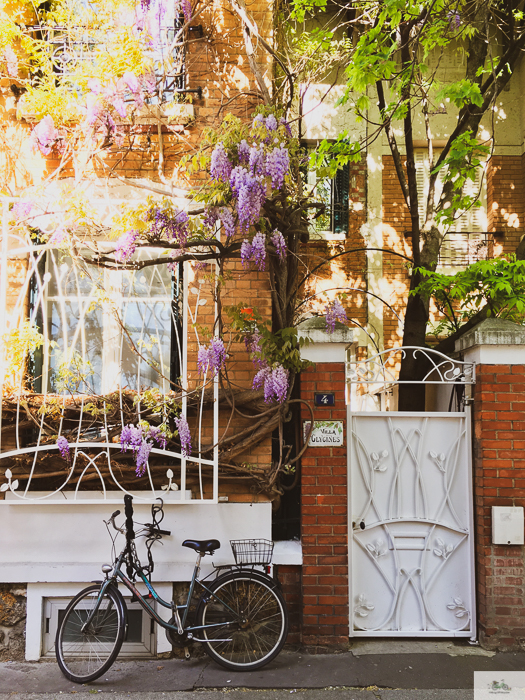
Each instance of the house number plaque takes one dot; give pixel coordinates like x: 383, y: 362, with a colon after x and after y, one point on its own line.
x: 326, y: 398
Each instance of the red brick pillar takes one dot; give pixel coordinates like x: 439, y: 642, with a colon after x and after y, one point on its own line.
x: 324, y: 518
x: 498, y: 348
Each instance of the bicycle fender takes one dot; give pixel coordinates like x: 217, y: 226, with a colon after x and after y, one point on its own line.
x: 258, y: 575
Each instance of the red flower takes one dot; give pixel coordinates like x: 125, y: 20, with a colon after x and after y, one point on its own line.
x: 248, y: 313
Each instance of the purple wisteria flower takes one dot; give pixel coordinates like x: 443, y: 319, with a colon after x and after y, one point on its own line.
x: 126, y: 246
x: 277, y: 165
x: 454, y: 19
x: 160, y: 438
x: 334, y: 312
x: 44, y: 135
x: 220, y: 167
x: 21, y: 210
x: 175, y: 226
x: 277, y: 239
x: 184, y: 435
x: 271, y: 123
x: 94, y: 109
x: 131, y: 437
x: 139, y: 440
x: 254, y: 251
x: 244, y: 152
x: 211, y: 216
x: 11, y: 61
x: 211, y: 358
x: 275, y: 382
x: 228, y: 221
x: 256, y: 159
x: 250, y: 194
x: 186, y: 9
x: 59, y: 236
x: 283, y: 122
x: 253, y: 345
x: 142, y: 457
x: 63, y: 448
x: 258, y: 121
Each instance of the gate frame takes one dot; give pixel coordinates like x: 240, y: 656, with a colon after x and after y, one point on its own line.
x: 443, y: 371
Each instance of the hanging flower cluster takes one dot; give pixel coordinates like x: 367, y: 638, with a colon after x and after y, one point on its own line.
x: 334, y: 312
x: 277, y: 239
x: 63, y: 448
x: 214, y: 214
x: 275, y: 382
x: 254, y: 251
x: 21, y: 210
x: 126, y: 246
x: 184, y: 435
x: 44, y: 136
x: 140, y: 440
x: 211, y: 359
x: 11, y: 61
x: 248, y: 170
x: 174, y: 225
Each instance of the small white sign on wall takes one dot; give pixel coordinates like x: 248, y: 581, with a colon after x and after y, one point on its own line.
x: 326, y: 433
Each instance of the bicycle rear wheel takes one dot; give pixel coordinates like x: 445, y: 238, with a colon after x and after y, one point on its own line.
x: 85, y: 653
x: 249, y: 621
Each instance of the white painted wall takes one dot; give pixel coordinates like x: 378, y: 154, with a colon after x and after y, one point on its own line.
x: 69, y: 542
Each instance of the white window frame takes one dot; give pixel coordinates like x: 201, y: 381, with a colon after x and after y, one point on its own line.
x: 113, y: 337
x: 55, y: 594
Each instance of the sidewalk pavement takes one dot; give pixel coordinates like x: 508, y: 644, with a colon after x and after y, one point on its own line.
x: 371, y: 670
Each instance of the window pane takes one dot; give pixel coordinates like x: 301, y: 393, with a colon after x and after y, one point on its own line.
x: 149, y: 282
x: 149, y: 327
x: 66, y: 278
x: 76, y: 361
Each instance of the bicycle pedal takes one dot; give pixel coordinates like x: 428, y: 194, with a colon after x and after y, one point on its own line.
x: 133, y: 598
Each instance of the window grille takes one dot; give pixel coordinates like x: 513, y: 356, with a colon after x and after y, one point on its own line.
x: 71, y: 311
x: 80, y: 314
x: 71, y: 48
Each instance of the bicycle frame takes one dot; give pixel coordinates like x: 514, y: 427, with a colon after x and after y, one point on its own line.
x: 180, y: 626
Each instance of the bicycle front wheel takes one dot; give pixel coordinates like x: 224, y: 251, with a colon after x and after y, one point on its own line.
x: 85, y: 651
x: 245, y: 621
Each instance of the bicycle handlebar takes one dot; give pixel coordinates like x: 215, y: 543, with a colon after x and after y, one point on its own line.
x: 157, y: 531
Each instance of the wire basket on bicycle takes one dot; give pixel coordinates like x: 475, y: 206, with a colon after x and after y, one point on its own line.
x: 257, y: 552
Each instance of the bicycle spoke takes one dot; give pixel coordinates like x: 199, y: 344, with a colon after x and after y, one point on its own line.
x: 259, y: 624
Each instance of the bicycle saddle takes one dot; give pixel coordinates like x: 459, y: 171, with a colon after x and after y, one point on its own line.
x: 202, y: 546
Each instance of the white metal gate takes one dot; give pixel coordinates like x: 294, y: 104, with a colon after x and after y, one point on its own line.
x: 411, y: 558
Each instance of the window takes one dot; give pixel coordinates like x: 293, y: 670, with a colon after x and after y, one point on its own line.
x: 466, y: 241
x: 138, y: 642
x: 107, y: 330
x: 334, y: 194
x: 72, y: 47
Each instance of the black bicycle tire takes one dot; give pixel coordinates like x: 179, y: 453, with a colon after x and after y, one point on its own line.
x: 120, y: 607
x: 251, y: 578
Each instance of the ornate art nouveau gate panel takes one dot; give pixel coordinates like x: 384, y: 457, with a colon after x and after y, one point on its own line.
x: 410, y: 509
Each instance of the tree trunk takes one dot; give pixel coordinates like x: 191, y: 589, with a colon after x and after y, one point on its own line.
x: 412, y: 396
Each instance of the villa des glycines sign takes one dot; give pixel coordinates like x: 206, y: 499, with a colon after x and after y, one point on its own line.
x: 326, y: 433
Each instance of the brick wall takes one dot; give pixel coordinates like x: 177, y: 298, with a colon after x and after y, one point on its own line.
x: 499, y: 480
x: 346, y: 271
x: 324, y: 533
x: 291, y: 581
x: 396, y: 220
x: 505, y: 208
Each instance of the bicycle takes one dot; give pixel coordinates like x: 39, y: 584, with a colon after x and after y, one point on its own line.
x: 241, y: 617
